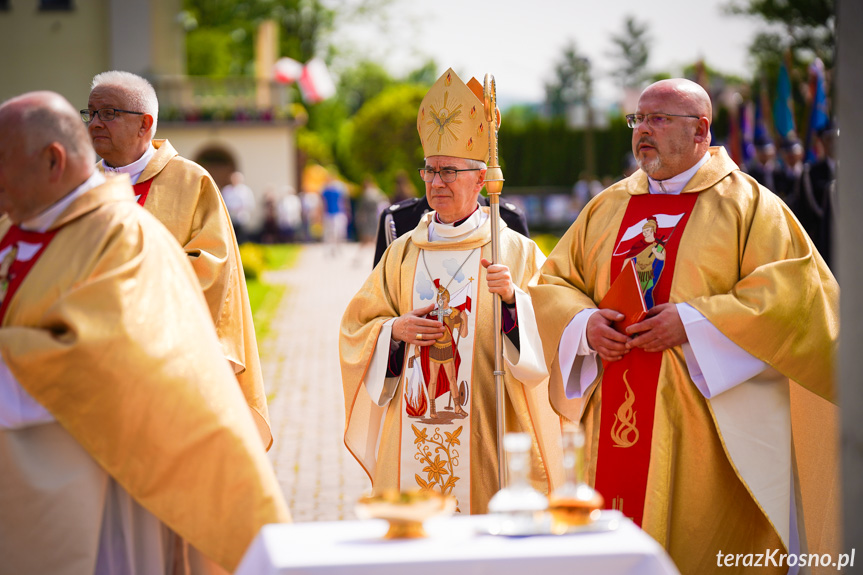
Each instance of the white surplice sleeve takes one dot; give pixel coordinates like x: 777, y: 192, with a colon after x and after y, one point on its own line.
x: 579, y: 365
x: 715, y: 363
x: 380, y: 387
x: 526, y: 362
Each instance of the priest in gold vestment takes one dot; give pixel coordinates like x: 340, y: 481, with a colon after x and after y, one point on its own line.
x: 416, y: 343
x: 121, y: 117
x: 710, y: 422
x: 125, y: 449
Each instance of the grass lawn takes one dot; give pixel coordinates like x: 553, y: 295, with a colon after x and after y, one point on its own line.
x: 265, y: 297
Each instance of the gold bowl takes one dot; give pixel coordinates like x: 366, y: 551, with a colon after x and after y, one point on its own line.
x: 405, y: 511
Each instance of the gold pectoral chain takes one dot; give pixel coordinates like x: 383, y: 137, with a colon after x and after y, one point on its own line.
x: 623, y: 429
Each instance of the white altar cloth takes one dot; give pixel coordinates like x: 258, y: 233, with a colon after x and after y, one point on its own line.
x: 455, y: 546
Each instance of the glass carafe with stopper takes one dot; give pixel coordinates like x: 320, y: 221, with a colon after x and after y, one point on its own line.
x: 518, y: 508
x: 575, y: 503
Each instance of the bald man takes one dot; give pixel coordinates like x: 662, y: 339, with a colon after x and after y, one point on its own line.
x: 688, y: 411
x: 123, y: 449
x: 121, y: 117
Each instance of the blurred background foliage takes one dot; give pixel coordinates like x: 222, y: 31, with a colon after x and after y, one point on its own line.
x: 369, y: 126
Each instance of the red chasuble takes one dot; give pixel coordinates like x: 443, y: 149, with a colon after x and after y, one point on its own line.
x: 19, y: 252
x: 649, y: 235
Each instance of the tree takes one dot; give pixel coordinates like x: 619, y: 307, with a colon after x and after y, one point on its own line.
x: 381, y: 139
x: 573, y: 89
x: 806, y: 27
x: 572, y: 85
x: 631, y: 54
x: 360, y: 83
x: 305, y: 29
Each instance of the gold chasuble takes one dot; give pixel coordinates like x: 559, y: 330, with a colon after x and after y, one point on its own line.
x: 731, y: 472
x: 420, y: 430
x: 184, y: 197
x: 138, y: 381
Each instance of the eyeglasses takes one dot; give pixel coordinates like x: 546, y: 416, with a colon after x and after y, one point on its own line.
x: 657, y: 120
x: 106, y: 114
x: 447, y: 175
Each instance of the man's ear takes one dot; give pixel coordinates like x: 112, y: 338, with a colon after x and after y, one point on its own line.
x: 702, y: 130
x: 480, y: 180
x: 55, y: 157
x: 146, y: 124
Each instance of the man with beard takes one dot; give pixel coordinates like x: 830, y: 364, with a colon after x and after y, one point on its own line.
x: 689, y: 415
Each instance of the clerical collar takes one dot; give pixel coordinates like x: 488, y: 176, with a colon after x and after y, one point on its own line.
x: 439, y: 231
x: 46, y: 219
x: 136, y: 168
x: 673, y: 186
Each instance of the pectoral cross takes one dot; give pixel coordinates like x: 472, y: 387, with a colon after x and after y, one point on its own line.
x: 441, y: 312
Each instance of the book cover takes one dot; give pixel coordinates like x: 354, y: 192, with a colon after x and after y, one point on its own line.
x: 626, y: 297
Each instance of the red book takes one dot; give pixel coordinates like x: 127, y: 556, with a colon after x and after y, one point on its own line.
x: 625, y: 296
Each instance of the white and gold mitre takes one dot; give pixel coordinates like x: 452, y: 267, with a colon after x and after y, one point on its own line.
x: 451, y: 120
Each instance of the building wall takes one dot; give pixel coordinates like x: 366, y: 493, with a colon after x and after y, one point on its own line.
x: 265, y: 153
x: 63, y: 50
x: 54, y: 50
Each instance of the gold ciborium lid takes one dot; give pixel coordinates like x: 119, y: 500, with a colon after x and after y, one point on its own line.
x: 405, y: 511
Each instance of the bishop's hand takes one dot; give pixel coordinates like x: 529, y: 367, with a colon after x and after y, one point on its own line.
x: 602, y: 338
x: 413, y: 327
x: 499, y: 281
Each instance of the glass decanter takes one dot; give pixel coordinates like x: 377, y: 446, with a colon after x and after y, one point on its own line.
x: 518, y: 508
x: 575, y: 503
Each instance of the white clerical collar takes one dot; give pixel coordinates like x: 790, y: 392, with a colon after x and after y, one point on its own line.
x: 136, y: 168
x: 439, y: 231
x: 673, y: 186
x: 46, y: 219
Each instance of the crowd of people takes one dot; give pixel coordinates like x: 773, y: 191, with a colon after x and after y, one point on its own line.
x: 806, y: 185
x: 133, y: 417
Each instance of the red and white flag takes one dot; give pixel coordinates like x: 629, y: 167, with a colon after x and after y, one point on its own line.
x: 316, y: 84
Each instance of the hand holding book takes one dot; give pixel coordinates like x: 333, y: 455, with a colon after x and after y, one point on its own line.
x: 626, y: 297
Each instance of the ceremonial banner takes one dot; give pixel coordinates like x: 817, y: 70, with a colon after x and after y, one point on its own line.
x: 649, y: 236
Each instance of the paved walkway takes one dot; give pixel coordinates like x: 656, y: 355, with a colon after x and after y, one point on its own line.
x: 300, y: 360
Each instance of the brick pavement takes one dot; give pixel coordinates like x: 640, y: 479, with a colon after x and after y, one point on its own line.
x: 319, y: 477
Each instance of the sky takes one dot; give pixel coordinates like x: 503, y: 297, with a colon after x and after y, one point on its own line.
x: 519, y: 41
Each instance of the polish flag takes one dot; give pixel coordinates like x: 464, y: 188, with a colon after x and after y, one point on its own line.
x: 316, y: 84
x: 287, y: 70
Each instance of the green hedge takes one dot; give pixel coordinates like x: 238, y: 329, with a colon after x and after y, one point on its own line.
x: 543, y: 153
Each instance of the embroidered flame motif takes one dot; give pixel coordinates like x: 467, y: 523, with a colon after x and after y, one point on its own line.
x: 472, y: 113
x: 415, y: 399
x: 623, y: 431
x: 469, y: 144
x: 448, y: 80
x: 480, y: 130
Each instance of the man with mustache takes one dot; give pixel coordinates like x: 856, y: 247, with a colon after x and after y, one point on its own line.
x: 689, y: 414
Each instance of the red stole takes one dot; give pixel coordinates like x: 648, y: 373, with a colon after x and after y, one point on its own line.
x: 141, y: 191
x: 629, y: 385
x: 19, y: 252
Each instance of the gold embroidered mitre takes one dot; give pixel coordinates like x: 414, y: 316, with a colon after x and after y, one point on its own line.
x: 451, y: 120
